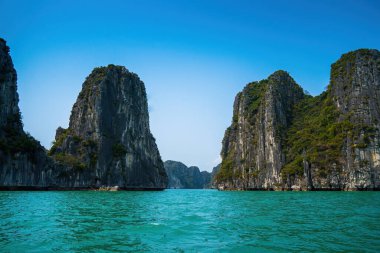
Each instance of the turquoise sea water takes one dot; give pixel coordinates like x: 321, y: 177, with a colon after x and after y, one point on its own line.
x: 189, y: 221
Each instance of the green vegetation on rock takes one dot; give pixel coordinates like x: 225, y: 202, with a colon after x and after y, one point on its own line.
x: 316, y: 135
x: 59, y: 141
x: 70, y: 160
x: 15, y: 140
x: 83, y: 154
x: 255, y: 95
x: 226, y: 171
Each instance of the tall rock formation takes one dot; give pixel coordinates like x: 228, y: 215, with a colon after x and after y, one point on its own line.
x: 183, y: 177
x: 23, y: 162
x: 333, y: 142
x: 108, y: 142
x: 355, y: 91
x: 283, y: 139
x: 252, y: 153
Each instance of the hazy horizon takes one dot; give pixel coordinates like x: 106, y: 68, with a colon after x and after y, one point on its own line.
x: 193, y: 56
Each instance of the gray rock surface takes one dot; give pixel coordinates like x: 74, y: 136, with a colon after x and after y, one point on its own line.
x: 355, y: 90
x: 108, y: 142
x: 252, y: 149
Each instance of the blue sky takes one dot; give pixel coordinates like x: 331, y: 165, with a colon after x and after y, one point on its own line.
x: 193, y: 56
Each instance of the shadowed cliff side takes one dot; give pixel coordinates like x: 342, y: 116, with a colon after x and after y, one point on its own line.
x: 108, y: 141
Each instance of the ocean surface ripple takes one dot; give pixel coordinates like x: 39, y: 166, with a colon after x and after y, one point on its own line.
x: 189, y: 221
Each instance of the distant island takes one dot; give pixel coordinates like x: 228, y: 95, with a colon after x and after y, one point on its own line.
x: 182, y: 177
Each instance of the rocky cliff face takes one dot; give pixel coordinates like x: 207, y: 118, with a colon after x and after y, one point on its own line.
x: 355, y: 91
x: 183, y: 177
x: 252, y: 150
x: 283, y: 139
x: 108, y: 141
x: 23, y: 161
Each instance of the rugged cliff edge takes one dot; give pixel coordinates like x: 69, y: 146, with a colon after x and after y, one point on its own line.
x: 23, y: 161
x: 183, y: 177
x: 108, y: 141
x: 282, y: 139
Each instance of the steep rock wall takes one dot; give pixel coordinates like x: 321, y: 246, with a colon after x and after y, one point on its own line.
x: 252, y: 150
x: 108, y: 142
x: 355, y: 90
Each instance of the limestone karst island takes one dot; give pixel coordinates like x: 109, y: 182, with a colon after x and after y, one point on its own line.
x: 189, y: 126
x: 108, y: 142
x: 280, y: 138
